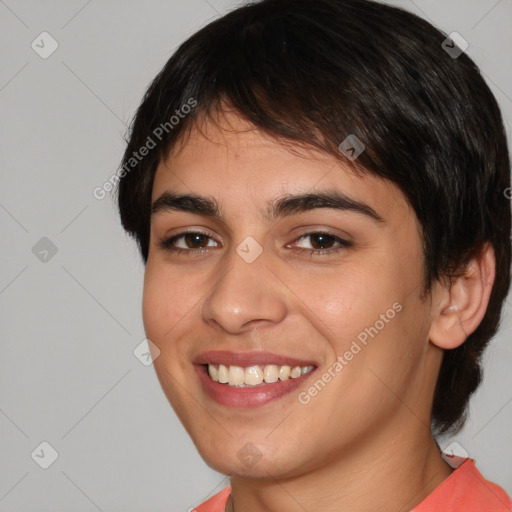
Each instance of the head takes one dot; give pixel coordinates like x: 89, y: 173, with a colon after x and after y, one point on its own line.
x: 257, y: 107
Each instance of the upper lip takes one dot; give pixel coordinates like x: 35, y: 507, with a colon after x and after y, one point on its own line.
x: 228, y: 358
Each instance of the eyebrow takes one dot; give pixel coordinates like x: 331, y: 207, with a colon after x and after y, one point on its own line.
x: 281, y: 207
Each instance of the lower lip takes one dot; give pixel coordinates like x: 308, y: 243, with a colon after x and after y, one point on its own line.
x: 247, y: 397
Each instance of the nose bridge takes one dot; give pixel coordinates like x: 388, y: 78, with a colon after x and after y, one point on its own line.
x: 246, y: 292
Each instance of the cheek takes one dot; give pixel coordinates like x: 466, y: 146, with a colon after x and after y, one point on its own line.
x: 153, y: 303
x: 342, y: 303
x: 164, y: 302
x: 371, y: 308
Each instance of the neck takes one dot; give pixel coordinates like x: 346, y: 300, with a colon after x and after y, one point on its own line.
x: 396, y: 476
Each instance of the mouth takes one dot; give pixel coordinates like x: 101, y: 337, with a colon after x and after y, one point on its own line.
x: 250, y: 379
x: 255, y: 375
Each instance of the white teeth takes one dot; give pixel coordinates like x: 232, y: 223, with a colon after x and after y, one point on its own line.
x: 271, y: 373
x: 296, y: 372
x: 284, y: 372
x: 222, y: 374
x: 255, y: 375
x: 214, y: 373
x: 236, y: 376
x: 306, y: 369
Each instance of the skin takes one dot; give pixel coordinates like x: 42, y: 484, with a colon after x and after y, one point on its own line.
x: 365, y: 439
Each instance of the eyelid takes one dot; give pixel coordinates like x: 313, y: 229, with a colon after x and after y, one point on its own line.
x: 166, y: 241
x: 342, y: 242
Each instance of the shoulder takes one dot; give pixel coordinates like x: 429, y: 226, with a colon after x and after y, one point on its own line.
x: 466, y: 490
x: 216, y: 503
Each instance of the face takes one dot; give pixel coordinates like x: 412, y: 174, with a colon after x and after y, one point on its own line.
x: 292, y: 269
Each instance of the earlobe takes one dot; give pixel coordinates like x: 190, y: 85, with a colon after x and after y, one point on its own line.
x: 461, y: 304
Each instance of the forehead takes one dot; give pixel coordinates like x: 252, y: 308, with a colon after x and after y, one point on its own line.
x: 229, y: 136
x: 229, y: 158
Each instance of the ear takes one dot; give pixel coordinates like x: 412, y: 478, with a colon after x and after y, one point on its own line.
x: 459, y: 307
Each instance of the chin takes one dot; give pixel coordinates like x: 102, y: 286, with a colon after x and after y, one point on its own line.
x: 249, y: 461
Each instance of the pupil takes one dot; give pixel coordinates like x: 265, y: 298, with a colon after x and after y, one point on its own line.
x: 195, y: 238
x: 321, y: 239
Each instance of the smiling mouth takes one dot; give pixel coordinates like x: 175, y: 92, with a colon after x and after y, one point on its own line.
x: 254, y: 375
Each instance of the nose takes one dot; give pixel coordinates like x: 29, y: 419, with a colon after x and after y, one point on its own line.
x: 247, y: 295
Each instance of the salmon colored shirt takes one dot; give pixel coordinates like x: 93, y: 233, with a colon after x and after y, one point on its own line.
x: 465, y: 490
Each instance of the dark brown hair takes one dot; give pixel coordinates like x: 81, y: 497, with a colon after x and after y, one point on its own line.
x: 316, y: 71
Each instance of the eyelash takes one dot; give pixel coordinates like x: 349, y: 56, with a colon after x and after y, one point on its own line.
x: 166, y: 244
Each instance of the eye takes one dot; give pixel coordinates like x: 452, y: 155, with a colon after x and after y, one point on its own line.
x: 189, y: 242
x: 323, y: 243
x: 194, y: 242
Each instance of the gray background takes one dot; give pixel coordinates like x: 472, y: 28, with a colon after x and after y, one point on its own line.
x: 69, y: 324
